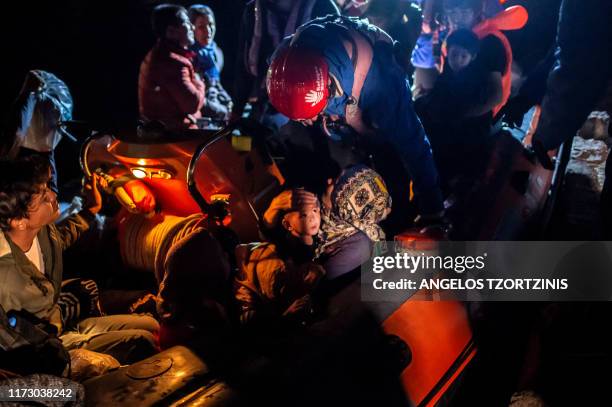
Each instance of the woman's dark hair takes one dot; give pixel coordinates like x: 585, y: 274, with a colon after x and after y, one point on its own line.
x: 464, y: 39
x: 164, y: 16
x: 20, y: 180
x: 199, y: 10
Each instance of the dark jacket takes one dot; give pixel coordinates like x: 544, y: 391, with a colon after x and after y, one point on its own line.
x: 403, y: 25
x: 581, y: 72
x: 247, y: 84
x: 168, y: 88
x: 386, y: 105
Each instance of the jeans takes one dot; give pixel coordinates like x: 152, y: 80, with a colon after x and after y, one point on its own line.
x: 127, y: 338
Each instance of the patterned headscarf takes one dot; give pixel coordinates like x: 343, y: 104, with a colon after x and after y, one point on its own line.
x: 360, y: 201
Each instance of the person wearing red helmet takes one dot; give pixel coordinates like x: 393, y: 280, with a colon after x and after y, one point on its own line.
x: 340, y: 69
x: 299, y: 83
x: 263, y: 26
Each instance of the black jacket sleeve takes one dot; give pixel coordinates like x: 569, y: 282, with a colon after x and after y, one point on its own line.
x: 581, y: 70
x: 243, y: 82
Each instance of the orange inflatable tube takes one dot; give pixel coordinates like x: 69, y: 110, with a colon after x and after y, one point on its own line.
x: 439, y: 353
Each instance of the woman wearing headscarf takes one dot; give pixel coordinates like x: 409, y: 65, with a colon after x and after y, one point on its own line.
x: 353, y: 207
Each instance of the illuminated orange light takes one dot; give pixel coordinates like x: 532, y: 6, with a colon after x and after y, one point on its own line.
x: 139, y: 173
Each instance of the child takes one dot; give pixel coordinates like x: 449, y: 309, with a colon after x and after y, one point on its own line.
x: 447, y: 112
x: 208, y: 62
x: 473, y: 15
x: 275, y: 279
x: 459, y: 90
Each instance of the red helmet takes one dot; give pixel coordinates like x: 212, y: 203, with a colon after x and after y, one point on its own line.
x: 297, y: 83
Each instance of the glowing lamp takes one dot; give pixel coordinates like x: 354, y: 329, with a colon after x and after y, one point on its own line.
x: 139, y: 173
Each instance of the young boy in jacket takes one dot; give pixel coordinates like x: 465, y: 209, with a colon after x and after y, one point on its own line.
x: 275, y: 279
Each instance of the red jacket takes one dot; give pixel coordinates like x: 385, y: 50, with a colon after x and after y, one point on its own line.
x: 168, y: 88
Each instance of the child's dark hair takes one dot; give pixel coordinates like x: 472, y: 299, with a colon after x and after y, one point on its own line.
x: 20, y: 180
x: 164, y: 16
x: 476, y: 5
x: 464, y: 39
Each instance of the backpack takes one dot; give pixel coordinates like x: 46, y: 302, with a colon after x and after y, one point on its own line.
x: 27, y: 346
x: 43, y: 104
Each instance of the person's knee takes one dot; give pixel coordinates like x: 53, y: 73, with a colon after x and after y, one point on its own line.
x: 142, y: 337
x: 351, y: 253
x: 140, y: 345
x: 140, y: 322
x: 125, y: 345
x: 359, y: 247
x: 148, y: 323
x: 363, y: 245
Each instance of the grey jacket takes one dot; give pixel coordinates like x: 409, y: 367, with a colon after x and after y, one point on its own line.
x: 22, y: 286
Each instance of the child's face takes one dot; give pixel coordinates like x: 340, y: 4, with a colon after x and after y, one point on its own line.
x: 205, y: 29
x: 458, y: 58
x: 303, y: 223
x: 461, y: 18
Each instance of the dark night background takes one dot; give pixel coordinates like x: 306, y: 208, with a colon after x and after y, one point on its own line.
x: 96, y: 47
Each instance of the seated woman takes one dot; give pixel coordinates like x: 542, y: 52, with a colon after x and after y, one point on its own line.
x: 208, y: 62
x: 455, y: 114
x: 275, y: 279
x: 353, y: 207
x: 31, y: 247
